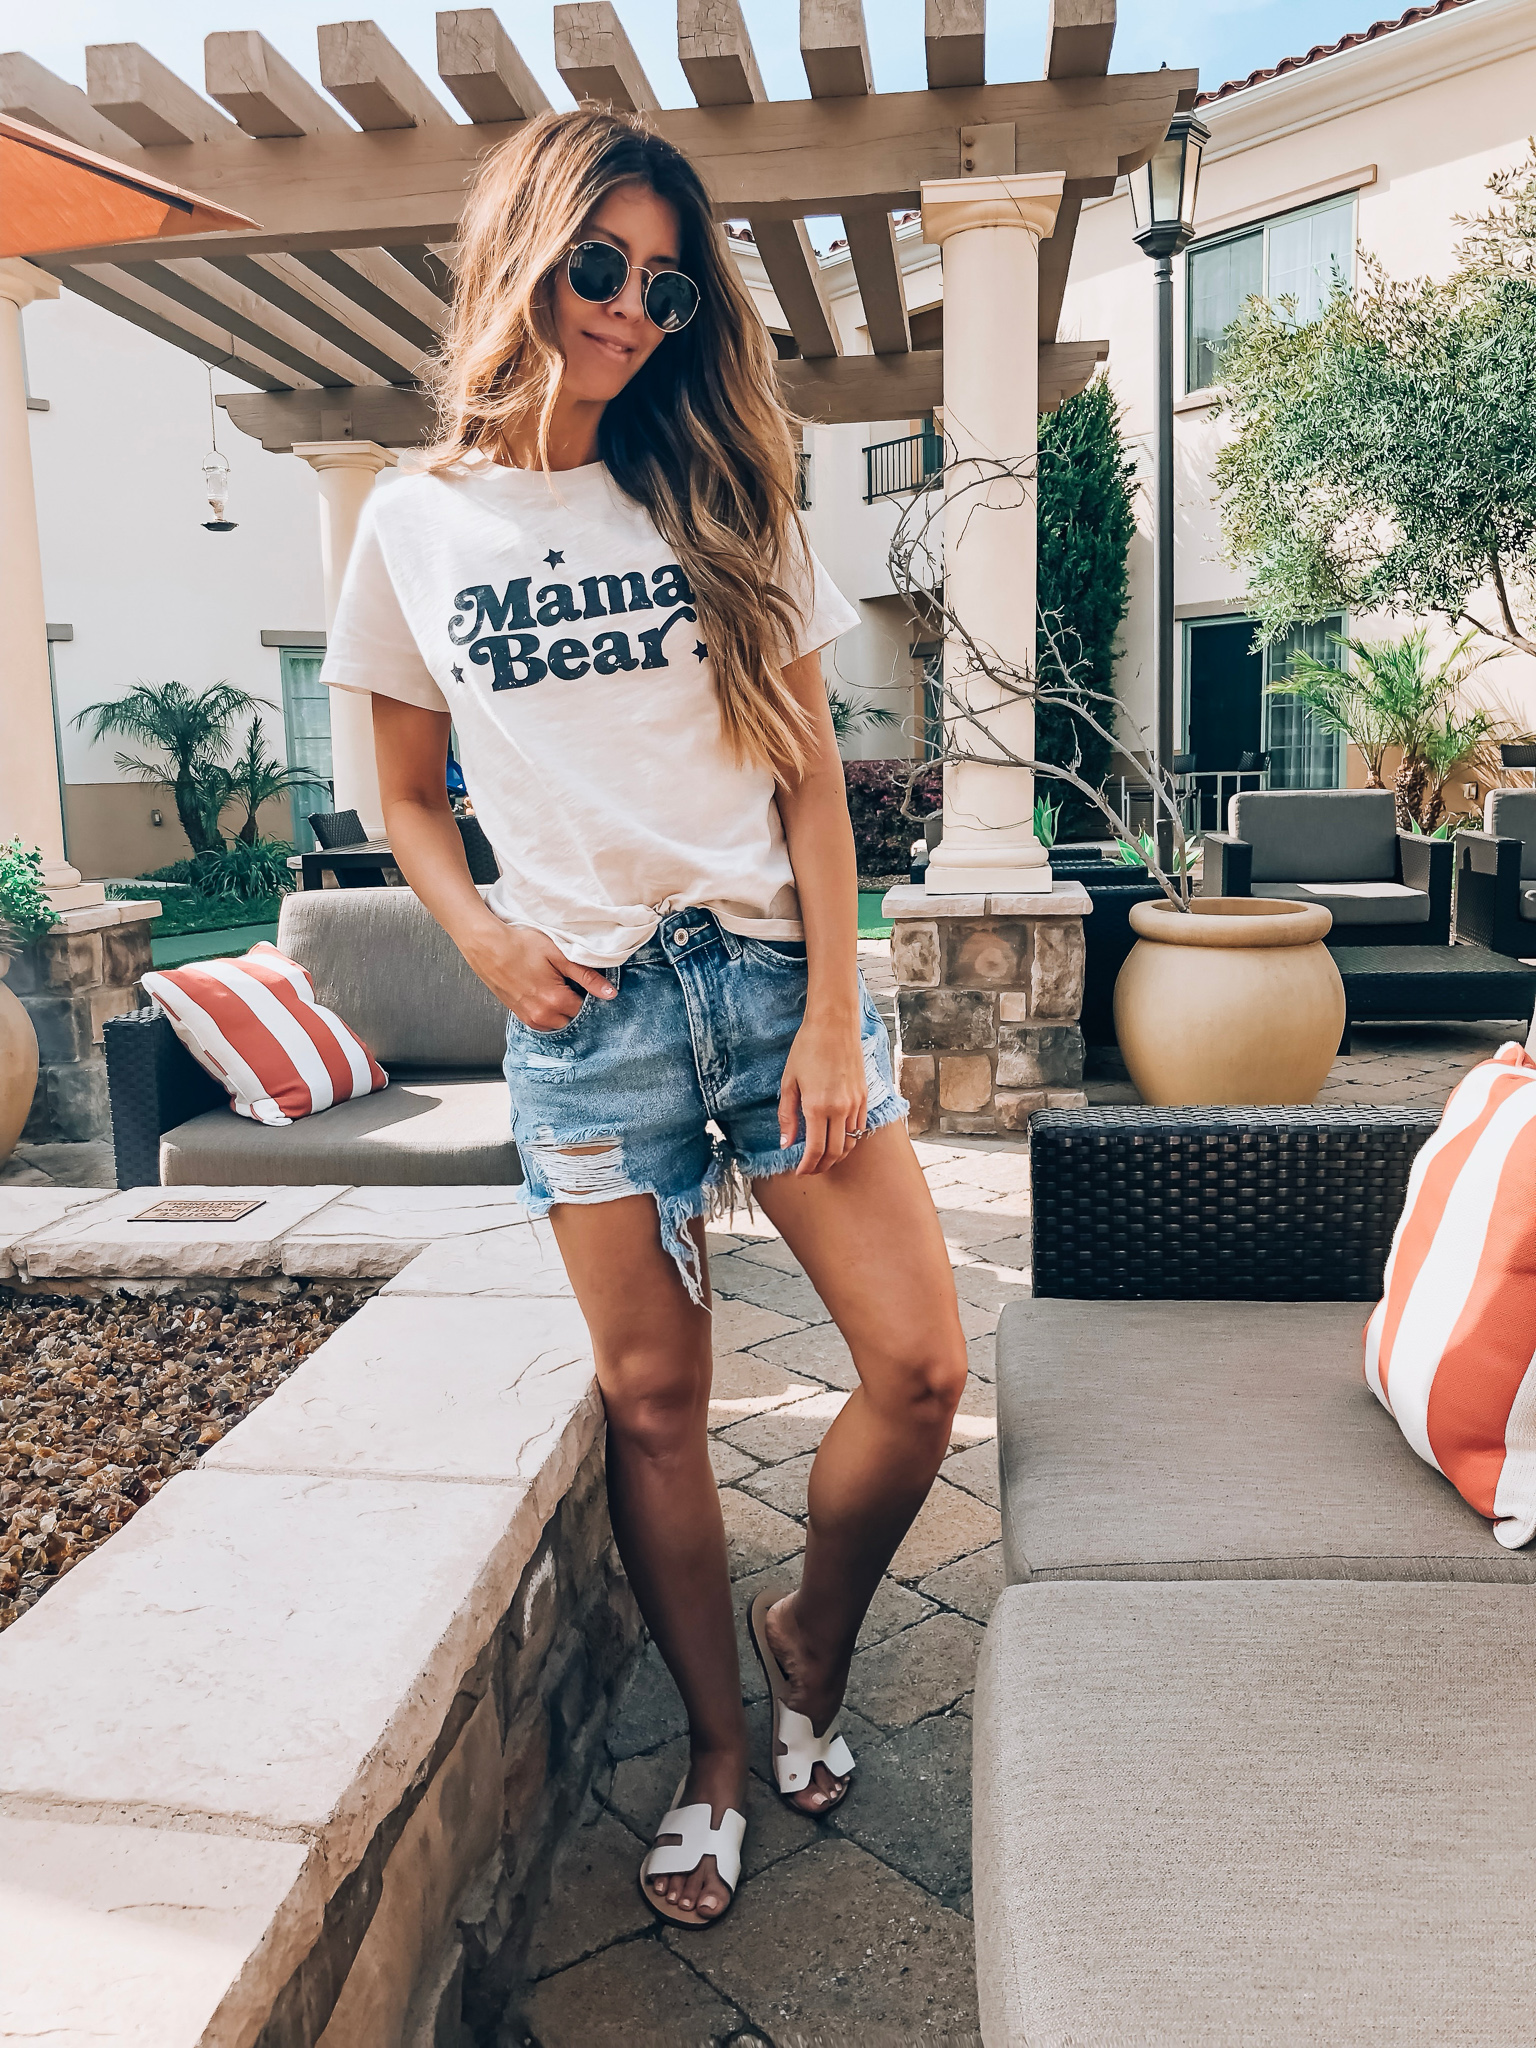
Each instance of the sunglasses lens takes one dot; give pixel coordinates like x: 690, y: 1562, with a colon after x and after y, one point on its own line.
x: 597, y: 271
x: 671, y: 300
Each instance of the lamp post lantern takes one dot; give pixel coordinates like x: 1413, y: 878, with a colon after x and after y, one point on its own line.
x: 1163, y: 203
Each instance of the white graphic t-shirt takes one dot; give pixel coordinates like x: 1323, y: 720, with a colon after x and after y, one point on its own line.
x: 548, y: 617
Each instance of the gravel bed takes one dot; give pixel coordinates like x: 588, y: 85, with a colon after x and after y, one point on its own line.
x: 102, y: 1399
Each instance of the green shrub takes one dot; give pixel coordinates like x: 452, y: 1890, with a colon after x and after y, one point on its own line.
x: 242, y: 872
x: 24, y: 907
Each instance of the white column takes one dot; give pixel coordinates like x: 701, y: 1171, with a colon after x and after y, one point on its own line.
x: 346, y: 470
x: 31, y: 807
x: 990, y: 230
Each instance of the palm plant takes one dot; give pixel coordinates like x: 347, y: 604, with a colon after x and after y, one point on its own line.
x: 848, y: 714
x: 190, y: 733
x: 254, y: 779
x: 1395, y: 696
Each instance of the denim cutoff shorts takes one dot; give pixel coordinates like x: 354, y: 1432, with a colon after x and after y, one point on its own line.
x: 620, y: 1100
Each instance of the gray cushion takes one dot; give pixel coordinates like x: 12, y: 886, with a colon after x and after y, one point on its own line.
x: 1528, y: 904
x: 1318, y: 835
x: 448, y: 1132
x: 1511, y: 814
x: 1216, y: 1439
x: 1355, y: 902
x: 382, y: 962
x: 1276, y: 1816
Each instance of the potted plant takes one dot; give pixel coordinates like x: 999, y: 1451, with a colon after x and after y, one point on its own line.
x: 24, y: 912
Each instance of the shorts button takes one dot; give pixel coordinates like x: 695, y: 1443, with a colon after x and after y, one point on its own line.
x: 681, y: 938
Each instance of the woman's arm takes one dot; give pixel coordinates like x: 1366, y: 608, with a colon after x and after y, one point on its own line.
x: 824, y: 1074
x: 523, y: 968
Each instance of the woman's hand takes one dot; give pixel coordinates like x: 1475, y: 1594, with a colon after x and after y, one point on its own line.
x: 528, y: 972
x: 823, y: 1084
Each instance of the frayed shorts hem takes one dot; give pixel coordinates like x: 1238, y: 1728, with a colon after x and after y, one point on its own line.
x: 725, y: 1188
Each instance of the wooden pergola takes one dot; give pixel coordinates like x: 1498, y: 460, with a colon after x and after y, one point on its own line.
x: 330, y: 307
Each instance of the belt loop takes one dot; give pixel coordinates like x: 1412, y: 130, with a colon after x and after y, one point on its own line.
x: 728, y: 939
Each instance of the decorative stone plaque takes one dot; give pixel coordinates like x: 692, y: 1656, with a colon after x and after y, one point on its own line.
x: 197, y: 1212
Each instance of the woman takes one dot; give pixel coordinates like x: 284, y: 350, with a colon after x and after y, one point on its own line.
x: 600, y: 581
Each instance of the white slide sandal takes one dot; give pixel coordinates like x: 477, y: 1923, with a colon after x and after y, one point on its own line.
x: 694, y: 1839
x: 794, y: 1734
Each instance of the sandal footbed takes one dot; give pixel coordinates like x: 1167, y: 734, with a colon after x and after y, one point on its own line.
x: 771, y: 1669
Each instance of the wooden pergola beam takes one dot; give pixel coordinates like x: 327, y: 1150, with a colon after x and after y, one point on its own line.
x: 716, y: 54
x: 834, y: 48
x: 597, y: 60
x: 363, y: 71
x: 872, y: 247
x: 480, y: 65
x: 781, y: 159
x: 262, y: 91
x: 136, y: 93
x: 795, y: 275
x: 32, y: 93
x: 1078, y: 38
x: 130, y: 299
x: 836, y: 391
x: 955, y: 41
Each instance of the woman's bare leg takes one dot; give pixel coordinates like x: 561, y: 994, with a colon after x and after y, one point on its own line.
x: 868, y: 1237
x: 652, y: 1347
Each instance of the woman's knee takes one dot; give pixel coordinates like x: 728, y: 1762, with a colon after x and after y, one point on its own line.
x: 922, y: 1379
x: 656, y: 1404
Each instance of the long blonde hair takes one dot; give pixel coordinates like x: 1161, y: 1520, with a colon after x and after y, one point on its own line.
x: 699, y: 436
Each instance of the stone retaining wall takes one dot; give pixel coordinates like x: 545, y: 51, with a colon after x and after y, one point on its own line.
x: 282, y: 1764
x: 988, y: 993
x: 70, y: 981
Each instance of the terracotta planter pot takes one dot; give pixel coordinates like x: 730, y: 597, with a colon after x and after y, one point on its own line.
x: 1239, y: 1001
x: 18, y: 1066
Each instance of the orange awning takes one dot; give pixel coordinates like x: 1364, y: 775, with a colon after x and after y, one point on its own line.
x: 56, y: 196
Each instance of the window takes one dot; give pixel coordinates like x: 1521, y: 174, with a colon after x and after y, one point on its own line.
x: 1302, y: 753
x: 307, y: 728
x: 1299, y: 256
x: 931, y: 654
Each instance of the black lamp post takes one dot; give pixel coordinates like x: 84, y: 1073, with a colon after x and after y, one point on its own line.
x: 1163, y: 202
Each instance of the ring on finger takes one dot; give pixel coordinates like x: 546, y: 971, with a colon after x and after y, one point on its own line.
x: 853, y: 1137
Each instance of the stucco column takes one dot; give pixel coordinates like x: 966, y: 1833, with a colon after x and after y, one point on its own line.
x: 30, y: 804
x: 989, y: 230
x: 346, y: 470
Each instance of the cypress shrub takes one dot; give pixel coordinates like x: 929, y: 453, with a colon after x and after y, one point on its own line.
x: 1087, y: 518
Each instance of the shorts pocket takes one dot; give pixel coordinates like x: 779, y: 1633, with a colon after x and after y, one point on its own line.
x: 776, y: 952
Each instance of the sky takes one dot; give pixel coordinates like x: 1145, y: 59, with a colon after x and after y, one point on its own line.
x: 1222, y: 38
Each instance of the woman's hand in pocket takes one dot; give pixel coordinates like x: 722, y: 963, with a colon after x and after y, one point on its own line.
x: 526, y: 970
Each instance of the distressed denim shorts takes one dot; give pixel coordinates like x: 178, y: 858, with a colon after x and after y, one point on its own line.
x: 620, y: 1100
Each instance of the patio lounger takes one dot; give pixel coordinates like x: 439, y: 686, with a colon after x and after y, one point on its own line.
x: 381, y: 962
x: 1496, y: 876
x: 1248, y: 1714
x: 1340, y: 848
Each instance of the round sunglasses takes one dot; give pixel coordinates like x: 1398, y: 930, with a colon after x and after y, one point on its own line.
x: 599, y: 272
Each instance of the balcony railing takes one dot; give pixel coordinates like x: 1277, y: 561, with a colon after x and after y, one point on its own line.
x: 913, y: 463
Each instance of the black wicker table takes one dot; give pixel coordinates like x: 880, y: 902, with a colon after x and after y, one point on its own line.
x: 1401, y: 984
x: 1218, y: 1204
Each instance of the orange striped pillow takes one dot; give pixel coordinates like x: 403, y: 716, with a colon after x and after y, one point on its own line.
x: 1450, y: 1350
x: 255, y: 1025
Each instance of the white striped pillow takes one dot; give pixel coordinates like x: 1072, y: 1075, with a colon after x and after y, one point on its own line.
x: 255, y: 1025
x: 1450, y: 1351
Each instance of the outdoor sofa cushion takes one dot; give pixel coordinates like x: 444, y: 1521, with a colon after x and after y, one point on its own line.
x: 381, y: 960
x: 442, y: 1131
x: 1356, y: 902
x: 1267, y: 1815
x: 1511, y: 814
x: 1318, y: 835
x: 1448, y: 1349
x: 1528, y: 905
x: 1215, y: 1439
x: 254, y: 1024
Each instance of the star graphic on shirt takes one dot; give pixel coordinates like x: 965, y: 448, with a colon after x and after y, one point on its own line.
x: 457, y: 673
x: 700, y: 651
x: 554, y: 558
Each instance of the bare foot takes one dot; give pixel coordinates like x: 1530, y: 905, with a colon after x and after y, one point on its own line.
x: 720, y: 1778
x: 813, y: 1689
